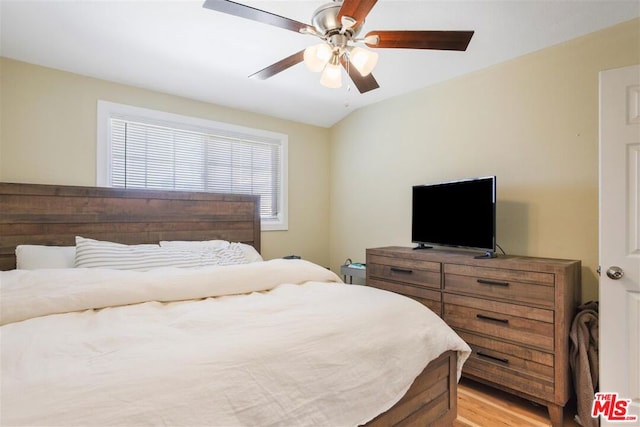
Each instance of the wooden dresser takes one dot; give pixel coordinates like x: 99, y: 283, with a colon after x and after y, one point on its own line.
x: 515, y: 313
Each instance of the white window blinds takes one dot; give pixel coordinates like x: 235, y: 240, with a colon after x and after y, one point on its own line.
x: 157, y: 155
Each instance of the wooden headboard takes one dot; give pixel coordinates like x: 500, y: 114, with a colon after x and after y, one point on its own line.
x: 53, y: 215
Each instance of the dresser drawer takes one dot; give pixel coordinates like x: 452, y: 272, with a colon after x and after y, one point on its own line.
x: 530, y: 362
x: 512, y: 285
x: 405, y: 271
x: 518, y: 380
x: 430, y: 298
x: 502, y: 321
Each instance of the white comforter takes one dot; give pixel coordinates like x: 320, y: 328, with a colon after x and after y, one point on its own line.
x: 286, y: 346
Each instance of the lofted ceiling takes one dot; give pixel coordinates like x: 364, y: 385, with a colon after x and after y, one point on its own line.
x: 181, y: 48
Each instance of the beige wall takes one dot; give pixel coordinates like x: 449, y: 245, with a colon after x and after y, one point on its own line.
x: 48, y: 136
x: 532, y: 121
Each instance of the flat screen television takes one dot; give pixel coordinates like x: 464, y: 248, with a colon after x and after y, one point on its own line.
x: 456, y: 213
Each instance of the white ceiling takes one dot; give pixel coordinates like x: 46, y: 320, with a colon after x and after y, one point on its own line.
x: 181, y: 48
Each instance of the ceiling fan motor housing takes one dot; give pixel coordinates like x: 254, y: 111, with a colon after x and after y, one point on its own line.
x: 325, y: 20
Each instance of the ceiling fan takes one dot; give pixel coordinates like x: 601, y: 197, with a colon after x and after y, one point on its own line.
x: 338, y: 24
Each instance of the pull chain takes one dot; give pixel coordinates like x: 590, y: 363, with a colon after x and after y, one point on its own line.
x: 346, y: 101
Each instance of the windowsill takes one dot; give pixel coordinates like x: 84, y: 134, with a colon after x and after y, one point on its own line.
x: 274, y: 226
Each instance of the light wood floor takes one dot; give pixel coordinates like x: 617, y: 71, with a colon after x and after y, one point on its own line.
x: 483, y: 406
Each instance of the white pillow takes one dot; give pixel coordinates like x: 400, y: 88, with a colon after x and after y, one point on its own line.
x: 250, y: 253
x: 99, y: 254
x: 31, y: 257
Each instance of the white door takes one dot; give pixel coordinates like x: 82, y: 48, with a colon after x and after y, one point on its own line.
x: 619, y: 342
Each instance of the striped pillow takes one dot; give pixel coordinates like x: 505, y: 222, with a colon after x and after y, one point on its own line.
x: 100, y: 254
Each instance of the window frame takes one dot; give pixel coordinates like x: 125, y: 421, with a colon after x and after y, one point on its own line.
x: 107, y: 110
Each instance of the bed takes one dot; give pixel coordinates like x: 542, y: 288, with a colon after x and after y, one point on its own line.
x: 275, y: 342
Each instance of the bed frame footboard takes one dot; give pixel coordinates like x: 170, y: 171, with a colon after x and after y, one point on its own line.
x: 431, y: 399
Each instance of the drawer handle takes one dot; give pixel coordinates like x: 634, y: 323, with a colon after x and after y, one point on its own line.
x: 496, y: 358
x: 492, y: 282
x: 401, y: 270
x: 492, y: 319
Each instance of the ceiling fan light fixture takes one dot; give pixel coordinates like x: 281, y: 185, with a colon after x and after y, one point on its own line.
x: 317, y: 56
x: 363, y: 60
x: 332, y: 74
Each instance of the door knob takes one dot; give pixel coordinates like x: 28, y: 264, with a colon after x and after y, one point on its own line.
x: 615, y: 273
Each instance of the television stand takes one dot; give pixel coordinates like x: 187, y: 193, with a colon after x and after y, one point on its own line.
x: 487, y: 255
x: 422, y: 246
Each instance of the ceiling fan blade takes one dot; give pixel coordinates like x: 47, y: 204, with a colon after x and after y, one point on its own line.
x: 364, y: 84
x: 279, y: 66
x: 356, y: 9
x: 248, y: 12
x: 440, y: 40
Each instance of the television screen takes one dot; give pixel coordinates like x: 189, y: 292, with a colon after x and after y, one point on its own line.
x: 456, y: 213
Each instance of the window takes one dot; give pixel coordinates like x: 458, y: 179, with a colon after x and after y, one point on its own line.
x: 141, y: 148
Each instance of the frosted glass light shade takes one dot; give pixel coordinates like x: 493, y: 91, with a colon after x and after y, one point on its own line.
x: 331, y: 76
x: 363, y: 60
x: 317, y: 56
